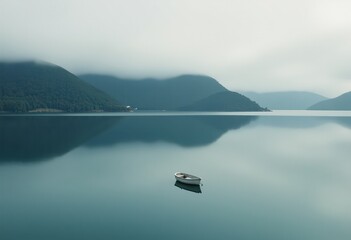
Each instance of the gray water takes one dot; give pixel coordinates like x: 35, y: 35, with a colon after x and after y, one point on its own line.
x: 111, y: 177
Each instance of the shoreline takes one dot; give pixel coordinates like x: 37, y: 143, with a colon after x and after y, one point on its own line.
x: 273, y: 113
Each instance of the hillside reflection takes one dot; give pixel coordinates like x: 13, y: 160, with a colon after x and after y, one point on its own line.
x: 180, y: 130
x: 26, y: 139
x: 34, y: 138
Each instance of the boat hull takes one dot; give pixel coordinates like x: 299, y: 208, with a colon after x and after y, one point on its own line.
x: 191, y: 182
x: 187, y: 178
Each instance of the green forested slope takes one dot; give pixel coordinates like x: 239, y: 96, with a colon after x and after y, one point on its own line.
x: 224, y: 101
x: 28, y: 86
x: 154, y: 94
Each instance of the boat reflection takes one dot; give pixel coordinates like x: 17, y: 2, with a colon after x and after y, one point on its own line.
x: 191, y: 188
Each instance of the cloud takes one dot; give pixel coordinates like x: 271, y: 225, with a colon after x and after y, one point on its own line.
x: 316, y: 64
x: 256, y: 45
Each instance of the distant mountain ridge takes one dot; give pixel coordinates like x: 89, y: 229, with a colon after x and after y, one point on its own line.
x: 285, y: 100
x: 342, y: 102
x: 154, y: 94
x: 186, y: 92
x: 35, y: 86
x: 226, y: 102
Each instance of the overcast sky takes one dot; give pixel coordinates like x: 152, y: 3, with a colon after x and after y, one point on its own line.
x: 258, y: 45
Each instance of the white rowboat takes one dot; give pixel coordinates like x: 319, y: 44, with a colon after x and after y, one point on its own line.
x: 187, y: 178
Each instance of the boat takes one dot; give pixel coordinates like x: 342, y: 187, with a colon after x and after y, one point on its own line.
x: 187, y: 178
x: 188, y: 187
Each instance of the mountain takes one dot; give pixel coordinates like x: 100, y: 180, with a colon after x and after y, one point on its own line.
x: 343, y: 102
x: 34, y: 86
x: 224, y: 101
x: 153, y: 94
x: 291, y: 100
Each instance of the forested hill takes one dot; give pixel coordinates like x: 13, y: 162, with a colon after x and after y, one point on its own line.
x: 226, y: 102
x: 154, y: 94
x: 34, y: 86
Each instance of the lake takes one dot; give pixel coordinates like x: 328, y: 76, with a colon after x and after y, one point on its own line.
x: 111, y: 176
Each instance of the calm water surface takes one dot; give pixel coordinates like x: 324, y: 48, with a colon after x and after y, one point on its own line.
x: 111, y: 177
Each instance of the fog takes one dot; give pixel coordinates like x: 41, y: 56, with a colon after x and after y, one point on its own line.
x: 246, y: 45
